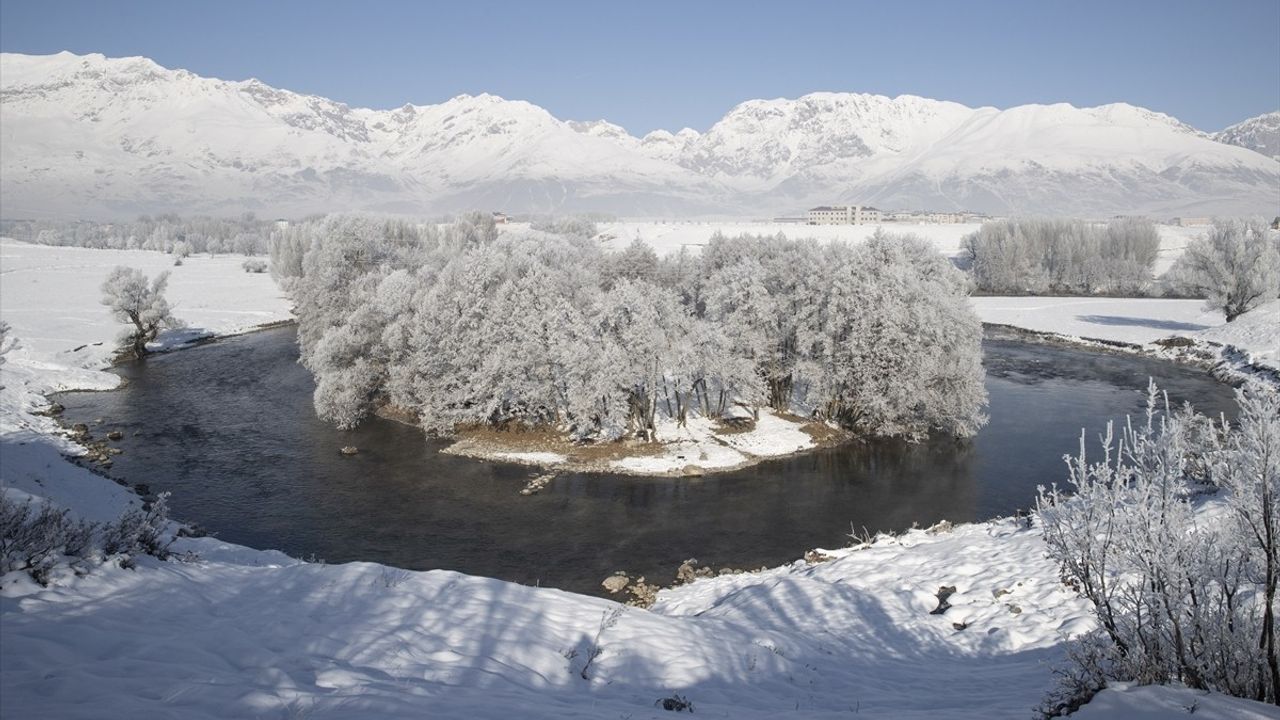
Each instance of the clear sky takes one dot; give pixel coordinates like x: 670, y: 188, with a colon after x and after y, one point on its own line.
x: 654, y: 64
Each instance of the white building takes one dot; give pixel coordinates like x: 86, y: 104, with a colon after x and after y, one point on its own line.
x: 843, y: 215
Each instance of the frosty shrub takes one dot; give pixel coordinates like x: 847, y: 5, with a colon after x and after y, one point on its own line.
x: 132, y: 300
x: 460, y: 326
x: 8, y: 342
x: 34, y: 536
x: 1182, y: 594
x: 572, y: 225
x: 139, y: 531
x: 1236, y: 268
x: 254, y: 265
x: 1069, y: 257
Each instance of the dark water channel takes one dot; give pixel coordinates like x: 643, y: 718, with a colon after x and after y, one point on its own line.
x: 229, y: 429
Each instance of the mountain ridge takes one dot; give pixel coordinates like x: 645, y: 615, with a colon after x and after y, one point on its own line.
x: 120, y: 136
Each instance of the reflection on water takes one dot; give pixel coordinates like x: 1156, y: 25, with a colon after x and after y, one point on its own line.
x: 229, y: 429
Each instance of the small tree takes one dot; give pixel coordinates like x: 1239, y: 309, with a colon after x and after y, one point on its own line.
x: 1235, y: 268
x: 132, y: 300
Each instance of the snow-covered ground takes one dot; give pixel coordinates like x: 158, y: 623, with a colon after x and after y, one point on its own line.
x: 51, y: 296
x: 698, y: 445
x: 243, y: 633
x: 702, y: 445
x: 1129, y: 320
x: 670, y: 237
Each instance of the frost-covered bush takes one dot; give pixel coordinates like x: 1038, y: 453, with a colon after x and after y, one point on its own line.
x: 8, y: 342
x: 462, y: 327
x: 133, y: 300
x: 139, y: 531
x: 33, y: 537
x: 1236, y: 268
x: 254, y: 265
x: 1181, y: 593
x: 575, y: 226
x: 1063, y: 256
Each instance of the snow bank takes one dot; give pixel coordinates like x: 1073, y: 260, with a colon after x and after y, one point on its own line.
x: 532, y: 458
x: 1137, y: 321
x: 1158, y: 702
x: 702, y: 444
x: 51, y: 296
x: 1256, y: 333
x: 1239, y: 348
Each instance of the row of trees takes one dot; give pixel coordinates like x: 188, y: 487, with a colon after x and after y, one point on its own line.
x: 461, y: 327
x: 1068, y: 257
x: 1181, y: 594
x: 244, y: 235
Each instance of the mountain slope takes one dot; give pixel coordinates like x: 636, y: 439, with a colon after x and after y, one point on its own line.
x: 1260, y: 134
x: 95, y: 136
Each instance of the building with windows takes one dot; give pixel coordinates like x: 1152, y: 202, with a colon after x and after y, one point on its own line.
x: 843, y: 215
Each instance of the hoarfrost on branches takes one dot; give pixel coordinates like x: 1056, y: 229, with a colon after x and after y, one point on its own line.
x: 461, y: 326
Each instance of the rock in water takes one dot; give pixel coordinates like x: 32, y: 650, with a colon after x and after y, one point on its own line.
x: 616, y: 583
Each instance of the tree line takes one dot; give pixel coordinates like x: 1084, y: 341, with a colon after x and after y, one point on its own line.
x: 1063, y: 257
x: 461, y: 326
x: 243, y: 235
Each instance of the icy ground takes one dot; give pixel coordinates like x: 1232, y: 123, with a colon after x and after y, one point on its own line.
x: 242, y: 633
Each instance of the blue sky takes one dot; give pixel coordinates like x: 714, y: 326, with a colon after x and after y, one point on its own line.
x: 653, y: 64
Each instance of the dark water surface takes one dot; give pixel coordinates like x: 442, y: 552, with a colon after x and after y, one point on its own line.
x: 229, y: 429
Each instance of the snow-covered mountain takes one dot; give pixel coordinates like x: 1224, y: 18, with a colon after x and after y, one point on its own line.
x: 1261, y: 134
x: 95, y: 136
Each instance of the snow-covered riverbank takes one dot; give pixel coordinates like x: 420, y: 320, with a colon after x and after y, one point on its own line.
x: 235, y: 632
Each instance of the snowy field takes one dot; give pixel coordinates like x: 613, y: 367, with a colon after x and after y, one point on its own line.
x: 670, y: 237
x: 233, y: 632
x: 50, y: 295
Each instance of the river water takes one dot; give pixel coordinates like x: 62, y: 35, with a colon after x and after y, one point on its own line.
x: 229, y: 430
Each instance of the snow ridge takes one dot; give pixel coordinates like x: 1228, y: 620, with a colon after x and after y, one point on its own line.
x: 87, y: 135
x: 1260, y: 134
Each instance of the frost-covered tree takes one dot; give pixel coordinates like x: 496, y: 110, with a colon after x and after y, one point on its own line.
x: 637, y: 261
x: 133, y: 300
x: 900, y: 348
x: 1063, y: 256
x: 1182, y: 593
x: 1236, y: 267
x: 460, y: 327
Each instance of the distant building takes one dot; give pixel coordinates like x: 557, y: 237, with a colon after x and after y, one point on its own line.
x: 1275, y: 224
x: 790, y: 220
x: 500, y: 218
x: 1193, y: 221
x: 843, y: 215
x: 921, y: 217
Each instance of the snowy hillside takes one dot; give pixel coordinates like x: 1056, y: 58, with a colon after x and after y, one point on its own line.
x: 95, y: 136
x: 1260, y: 134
